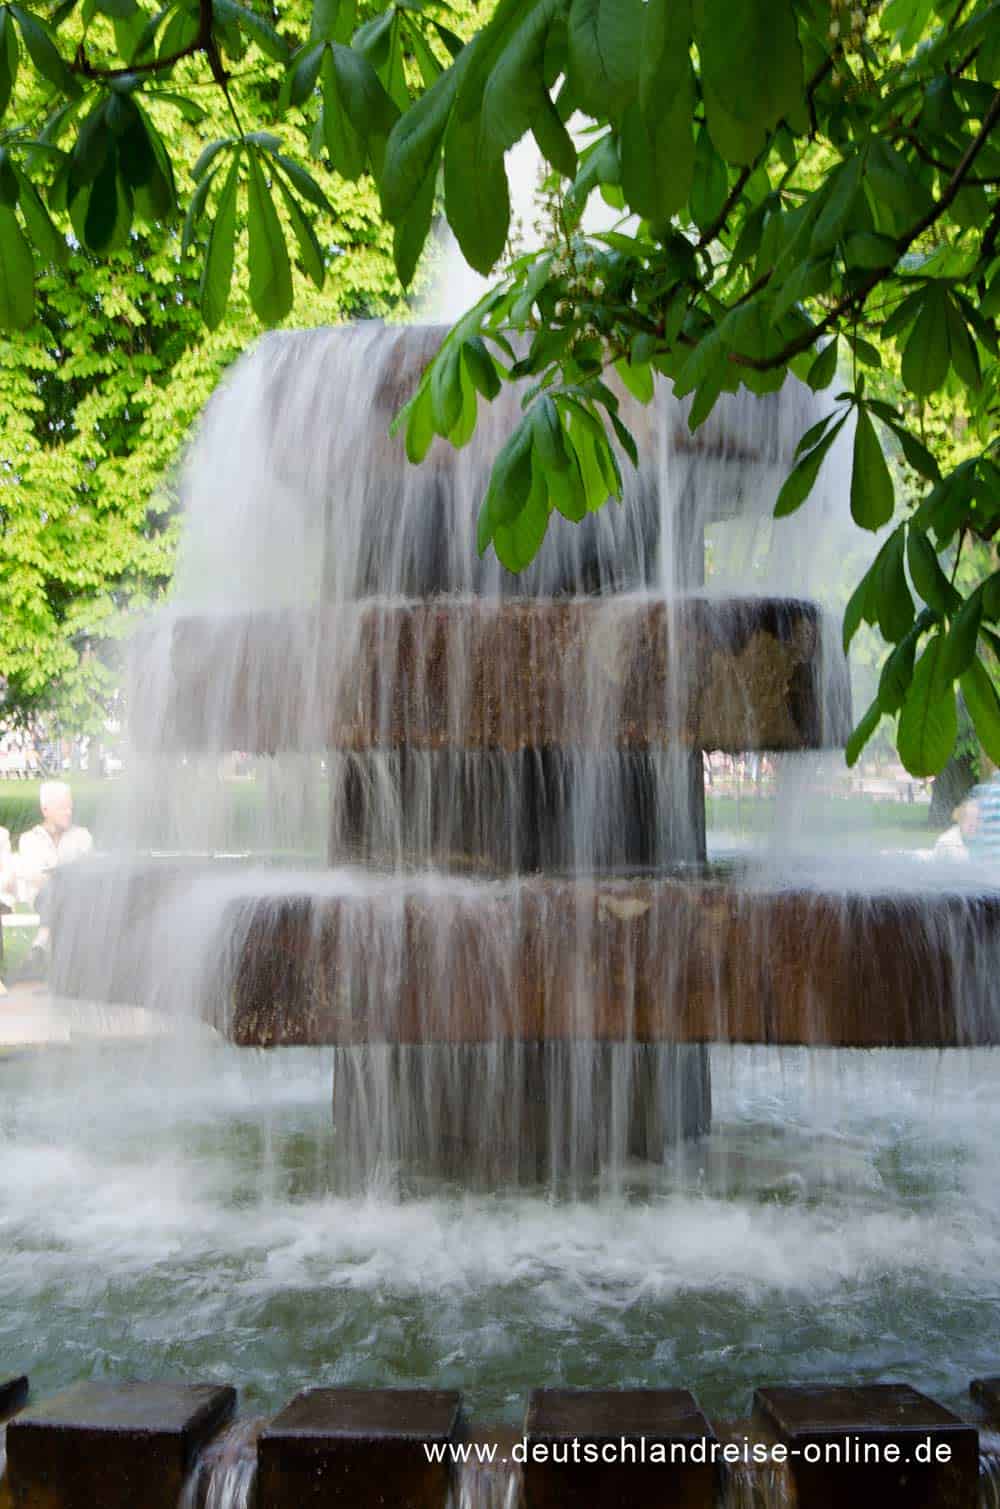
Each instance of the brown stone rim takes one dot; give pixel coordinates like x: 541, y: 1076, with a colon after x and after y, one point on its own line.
x: 702, y: 673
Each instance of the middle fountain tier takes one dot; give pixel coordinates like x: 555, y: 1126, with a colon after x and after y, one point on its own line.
x: 475, y: 729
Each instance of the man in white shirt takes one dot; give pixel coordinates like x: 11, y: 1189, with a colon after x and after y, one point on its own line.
x: 54, y: 841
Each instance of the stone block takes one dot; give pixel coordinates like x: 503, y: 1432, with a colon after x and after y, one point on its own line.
x: 613, y: 1449
x: 883, y: 1445
x: 13, y: 1394
x: 360, y: 1448
x: 986, y: 1393
x: 112, y: 1445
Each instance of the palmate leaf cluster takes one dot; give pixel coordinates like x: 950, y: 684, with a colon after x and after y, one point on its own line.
x: 804, y: 186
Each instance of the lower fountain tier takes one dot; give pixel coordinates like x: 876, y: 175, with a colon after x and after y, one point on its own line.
x: 630, y: 673
x: 348, y: 958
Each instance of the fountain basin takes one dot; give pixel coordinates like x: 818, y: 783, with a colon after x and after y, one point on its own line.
x: 346, y: 958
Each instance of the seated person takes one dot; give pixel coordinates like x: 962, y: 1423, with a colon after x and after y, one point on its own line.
x: 52, y: 842
x: 955, y: 841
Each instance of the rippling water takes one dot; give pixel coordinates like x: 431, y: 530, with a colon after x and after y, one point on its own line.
x: 166, y: 1210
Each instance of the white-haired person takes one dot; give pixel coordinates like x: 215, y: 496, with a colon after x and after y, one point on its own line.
x: 55, y: 841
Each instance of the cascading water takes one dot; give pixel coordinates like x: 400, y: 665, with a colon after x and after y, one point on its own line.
x: 174, y: 1207
x: 989, y: 1470
x: 479, y: 1484
x: 225, y: 1473
x: 312, y: 560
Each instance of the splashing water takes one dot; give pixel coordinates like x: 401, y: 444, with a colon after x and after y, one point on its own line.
x: 309, y: 539
x: 842, y: 1213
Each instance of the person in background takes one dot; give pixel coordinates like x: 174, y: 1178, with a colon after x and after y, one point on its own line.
x: 984, y: 844
x: 55, y: 841
x: 956, y: 842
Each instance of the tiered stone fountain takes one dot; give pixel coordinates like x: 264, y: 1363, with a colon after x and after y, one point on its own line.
x: 473, y: 861
x: 516, y: 948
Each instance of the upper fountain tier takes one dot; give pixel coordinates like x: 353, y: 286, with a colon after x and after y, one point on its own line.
x: 295, y: 493
x: 634, y: 673
x: 330, y: 595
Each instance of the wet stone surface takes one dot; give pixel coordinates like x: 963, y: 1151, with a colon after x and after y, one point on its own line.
x: 638, y: 1427
x: 880, y: 1444
x: 113, y: 1445
x: 13, y: 1395
x: 357, y: 1447
x: 986, y: 1393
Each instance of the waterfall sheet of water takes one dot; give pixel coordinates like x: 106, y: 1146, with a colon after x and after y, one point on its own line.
x: 307, y: 535
x: 486, y: 1485
x: 989, y: 1469
x: 225, y: 1471
x: 748, y: 1487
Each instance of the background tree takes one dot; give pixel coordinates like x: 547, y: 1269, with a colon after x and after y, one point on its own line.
x: 99, y: 390
x: 804, y: 185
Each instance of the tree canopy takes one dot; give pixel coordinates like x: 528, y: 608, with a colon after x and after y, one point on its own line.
x: 98, y: 392
x: 805, y: 186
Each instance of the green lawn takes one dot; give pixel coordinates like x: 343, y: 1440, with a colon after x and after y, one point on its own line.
x: 17, y: 942
x: 888, y: 824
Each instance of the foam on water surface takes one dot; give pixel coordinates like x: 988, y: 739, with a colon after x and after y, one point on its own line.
x: 167, y: 1211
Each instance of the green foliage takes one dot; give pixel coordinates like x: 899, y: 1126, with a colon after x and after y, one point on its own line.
x: 802, y: 183
x: 832, y: 173
x: 104, y: 377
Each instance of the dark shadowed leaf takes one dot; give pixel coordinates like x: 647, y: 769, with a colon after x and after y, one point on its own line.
x: 926, y: 354
x: 710, y: 184
x: 414, y: 146
x: 963, y: 636
x: 928, y: 578
x: 605, y: 46
x: 862, y: 733
x: 9, y: 58
x: 17, y: 290
x: 43, y: 51
x: 412, y: 230
x: 476, y: 195
x: 928, y: 723
x: 799, y: 482
x: 872, y: 493
x: 218, y: 271
x: 751, y: 68
x: 824, y: 368
x: 895, y: 605
x: 270, y: 271
x: 310, y: 251
x: 345, y: 147
x: 984, y: 707
x: 48, y: 241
